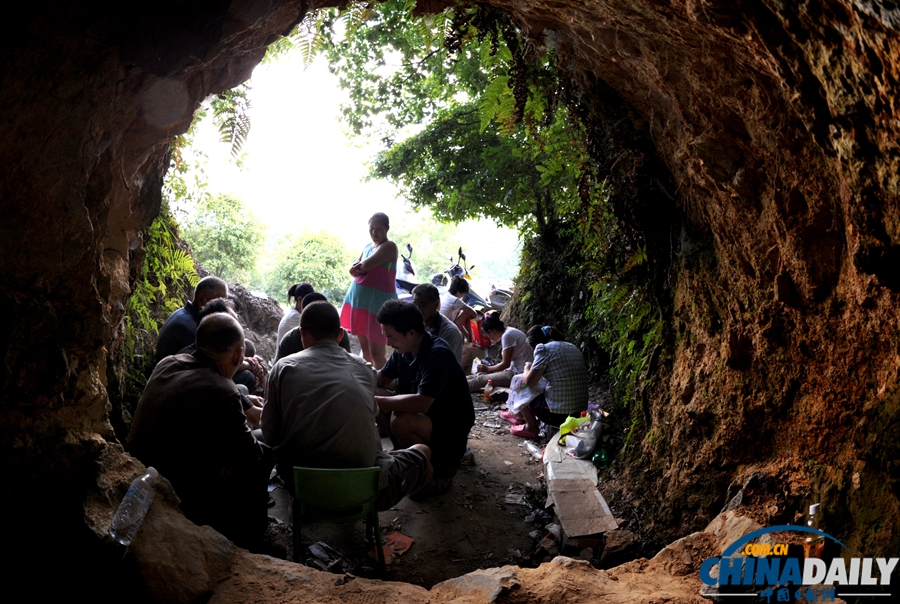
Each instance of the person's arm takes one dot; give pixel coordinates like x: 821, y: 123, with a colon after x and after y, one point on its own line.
x: 504, y: 363
x: 381, y: 380
x: 386, y: 252
x: 355, y: 271
x: 405, y: 403
x: 253, y: 414
x: 531, y: 377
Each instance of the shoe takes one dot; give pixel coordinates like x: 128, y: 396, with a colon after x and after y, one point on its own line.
x: 512, y: 418
x: 522, y: 431
x: 441, y: 486
x: 468, y: 459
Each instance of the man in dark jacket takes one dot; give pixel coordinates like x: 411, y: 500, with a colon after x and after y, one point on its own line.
x: 189, y: 425
x: 180, y: 329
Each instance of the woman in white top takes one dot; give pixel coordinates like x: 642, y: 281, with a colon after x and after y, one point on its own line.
x: 516, y: 352
x: 291, y: 319
x: 455, y: 309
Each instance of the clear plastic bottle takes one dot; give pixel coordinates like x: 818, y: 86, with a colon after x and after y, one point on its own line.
x: 488, y: 390
x: 128, y: 518
x: 534, y: 450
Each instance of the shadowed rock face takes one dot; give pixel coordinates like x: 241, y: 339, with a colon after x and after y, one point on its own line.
x: 776, y: 122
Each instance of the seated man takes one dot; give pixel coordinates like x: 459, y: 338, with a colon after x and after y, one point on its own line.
x: 180, y: 329
x: 190, y: 426
x: 320, y: 412
x: 292, y: 342
x: 433, y: 405
x: 243, y: 377
x: 427, y: 299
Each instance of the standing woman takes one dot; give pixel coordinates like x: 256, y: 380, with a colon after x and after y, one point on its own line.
x: 516, y: 352
x: 292, y: 318
x: 374, y: 283
x: 561, y: 364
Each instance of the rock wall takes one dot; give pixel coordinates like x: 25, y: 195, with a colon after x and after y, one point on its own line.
x: 777, y: 124
x: 91, y: 94
x: 775, y: 120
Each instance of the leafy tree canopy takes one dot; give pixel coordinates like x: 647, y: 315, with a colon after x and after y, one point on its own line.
x: 226, y: 237
x: 320, y: 259
x: 494, y: 141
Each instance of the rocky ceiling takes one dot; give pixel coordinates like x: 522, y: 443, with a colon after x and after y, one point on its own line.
x: 776, y: 121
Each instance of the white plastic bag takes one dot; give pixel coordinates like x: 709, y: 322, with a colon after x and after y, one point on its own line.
x: 581, y: 443
x: 520, y: 395
x: 475, y: 363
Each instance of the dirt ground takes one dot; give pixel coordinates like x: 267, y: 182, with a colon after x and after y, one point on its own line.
x: 487, y: 518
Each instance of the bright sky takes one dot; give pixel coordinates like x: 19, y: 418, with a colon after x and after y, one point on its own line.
x: 303, y: 173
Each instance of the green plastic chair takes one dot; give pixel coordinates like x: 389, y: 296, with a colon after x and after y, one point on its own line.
x: 338, y: 495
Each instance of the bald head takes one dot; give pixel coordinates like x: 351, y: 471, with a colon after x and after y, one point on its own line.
x: 209, y: 288
x: 219, y: 335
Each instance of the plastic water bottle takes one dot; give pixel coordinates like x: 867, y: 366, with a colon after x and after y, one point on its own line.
x: 128, y: 518
x: 535, y: 450
x: 488, y: 390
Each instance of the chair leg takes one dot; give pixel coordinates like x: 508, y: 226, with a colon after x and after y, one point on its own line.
x: 296, y: 515
x: 379, y: 545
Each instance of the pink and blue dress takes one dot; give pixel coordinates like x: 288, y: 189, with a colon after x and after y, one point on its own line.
x: 364, y: 299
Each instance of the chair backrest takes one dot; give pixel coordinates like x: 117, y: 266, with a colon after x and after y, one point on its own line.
x: 336, y: 494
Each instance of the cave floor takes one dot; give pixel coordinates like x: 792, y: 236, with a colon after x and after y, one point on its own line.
x: 475, y: 525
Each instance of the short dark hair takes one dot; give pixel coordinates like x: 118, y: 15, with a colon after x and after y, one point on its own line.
x: 218, y: 305
x: 313, y: 297
x: 209, y: 285
x: 299, y: 290
x: 218, y: 334
x: 492, y: 322
x: 320, y: 320
x: 402, y: 316
x: 542, y: 334
x: 382, y: 218
x: 427, y: 291
x: 458, y: 285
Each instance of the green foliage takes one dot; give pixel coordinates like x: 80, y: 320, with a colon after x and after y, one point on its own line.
x: 586, y: 278
x: 231, y: 116
x: 164, y: 282
x: 493, y: 144
x: 225, y: 236
x: 317, y: 258
x: 306, y: 40
x: 185, y: 182
x: 394, y: 66
x: 461, y: 170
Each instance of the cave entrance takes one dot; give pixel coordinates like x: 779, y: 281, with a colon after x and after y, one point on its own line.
x: 301, y: 178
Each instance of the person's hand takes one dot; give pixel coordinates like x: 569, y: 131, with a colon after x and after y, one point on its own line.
x: 482, y: 368
x: 356, y: 270
x: 256, y: 400
x: 253, y: 415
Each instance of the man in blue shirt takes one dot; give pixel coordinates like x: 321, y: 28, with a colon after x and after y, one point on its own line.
x: 432, y: 404
x: 180, y: 329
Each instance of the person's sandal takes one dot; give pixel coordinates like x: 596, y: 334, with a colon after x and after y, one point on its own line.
x: 522, y: 432
x: 512, y: 418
